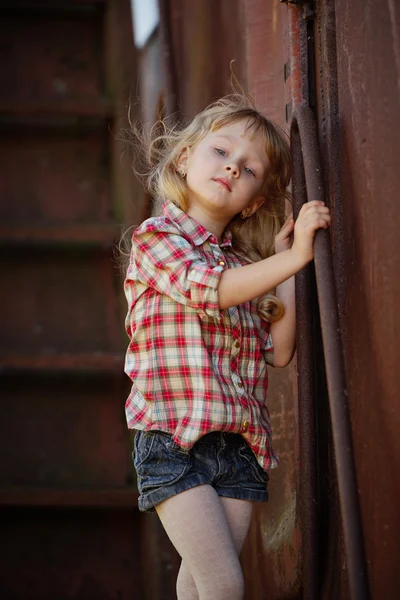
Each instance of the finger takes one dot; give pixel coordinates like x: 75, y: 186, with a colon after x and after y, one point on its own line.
x: 324, y: 222
x: 311, y: 225
x: 318, y: 223
x: 287, y: 220
x: 311, y: 204
x: 315, y: 218
x: 316, y: 210
x: 288, y: 224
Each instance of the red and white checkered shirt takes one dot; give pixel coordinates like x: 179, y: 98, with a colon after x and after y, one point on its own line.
x: 195, y: 368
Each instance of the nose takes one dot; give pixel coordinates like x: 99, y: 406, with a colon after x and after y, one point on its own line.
x: 232, y: 169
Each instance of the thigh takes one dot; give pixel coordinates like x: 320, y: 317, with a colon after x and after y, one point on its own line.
x: 209, y: 535
x: 197, y: 525
x: 238, y: 514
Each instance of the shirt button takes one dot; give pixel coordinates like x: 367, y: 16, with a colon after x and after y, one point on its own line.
x: 245, y: 426
x: 237, y: 344
x: 222, y: 263
x: 240, y: 384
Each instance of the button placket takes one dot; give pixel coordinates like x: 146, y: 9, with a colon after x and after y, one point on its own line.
x: 237, y: 384
x: 218, y: 255
x: 236, y: 344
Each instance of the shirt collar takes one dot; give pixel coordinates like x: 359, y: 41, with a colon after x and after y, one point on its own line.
x: 196, y: 232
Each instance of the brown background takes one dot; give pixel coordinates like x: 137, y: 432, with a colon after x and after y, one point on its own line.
x: 70, y: 525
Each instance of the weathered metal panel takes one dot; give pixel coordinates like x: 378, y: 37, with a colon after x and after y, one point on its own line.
x: 54, y: 71
x: 265, y: 31
x: 50, y: 320
x: 63, y: 433
x: 66, y: 70
x: 358, y: 97
x: 65, y: 176
x: 52, y: 554
x: 197, y: 57
x: 333, y: 574
x: 368, y: 42
x: 150, y: 80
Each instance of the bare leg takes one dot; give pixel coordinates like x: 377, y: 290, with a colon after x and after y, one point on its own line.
x: 208, y: 533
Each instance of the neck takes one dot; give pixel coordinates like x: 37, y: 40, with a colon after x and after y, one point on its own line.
x: 208, y: 221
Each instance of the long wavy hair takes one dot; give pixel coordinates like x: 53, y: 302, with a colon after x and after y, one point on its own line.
x: 160, y: 148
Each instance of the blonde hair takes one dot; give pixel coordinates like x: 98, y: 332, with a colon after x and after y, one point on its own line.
x: 253, y: 238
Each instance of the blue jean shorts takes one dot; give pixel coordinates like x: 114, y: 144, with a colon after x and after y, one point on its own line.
x: 223, y: 460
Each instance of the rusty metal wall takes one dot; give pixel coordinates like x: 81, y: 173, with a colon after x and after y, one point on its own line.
x: 354, y: 87
x: 358, y: 95
x: 69, y: 520
x: 199, y: 39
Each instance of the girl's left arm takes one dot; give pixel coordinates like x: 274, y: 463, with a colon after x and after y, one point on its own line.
x: 283, y: 332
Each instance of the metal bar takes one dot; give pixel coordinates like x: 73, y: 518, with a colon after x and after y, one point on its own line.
x: 98, y: 235
x: 306, y: 409
x: 171, y: 79
x: 306, y: 156
x: 100, y: 108
x: 96, y: 497
x: 104, y: 364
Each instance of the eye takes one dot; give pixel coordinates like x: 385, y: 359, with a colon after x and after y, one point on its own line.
x: 220, y: 151
x: 249, y: 171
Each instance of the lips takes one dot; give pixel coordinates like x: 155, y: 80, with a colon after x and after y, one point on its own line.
x: 224, y: 182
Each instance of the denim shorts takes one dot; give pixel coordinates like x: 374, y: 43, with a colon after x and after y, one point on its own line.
x: 223, y: 460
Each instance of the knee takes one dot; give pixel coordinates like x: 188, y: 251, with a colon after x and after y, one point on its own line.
x: 186, y: 590
x: 234, y: 589
x: 185, y: 586
x: 224, y: 587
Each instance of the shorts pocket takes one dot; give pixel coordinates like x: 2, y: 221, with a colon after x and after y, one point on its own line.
x: 142, y: 445
x: 249, y: 460
x: 159, y: 461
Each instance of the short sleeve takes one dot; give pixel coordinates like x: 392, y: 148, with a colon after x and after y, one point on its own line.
x: 264, y: 332
x: 168, y: 263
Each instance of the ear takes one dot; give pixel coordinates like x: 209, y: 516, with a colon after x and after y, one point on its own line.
x: 183, y: 158
x: 255, y: 205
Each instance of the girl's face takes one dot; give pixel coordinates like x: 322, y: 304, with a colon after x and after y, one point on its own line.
x: 225, y: 172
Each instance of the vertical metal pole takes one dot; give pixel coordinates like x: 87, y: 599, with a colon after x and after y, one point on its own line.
x: 306, y: 157
x: 171, y: 79
x: 306, y: 410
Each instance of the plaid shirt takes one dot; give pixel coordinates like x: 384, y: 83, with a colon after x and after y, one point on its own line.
x: 195, y: 368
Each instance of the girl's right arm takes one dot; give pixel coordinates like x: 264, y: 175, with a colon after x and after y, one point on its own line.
x: 246, y: 283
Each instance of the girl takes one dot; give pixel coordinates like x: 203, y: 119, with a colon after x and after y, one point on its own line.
x: 203, y: 325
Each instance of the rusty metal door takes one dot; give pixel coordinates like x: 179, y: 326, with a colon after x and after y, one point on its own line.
x: 69, y: 523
